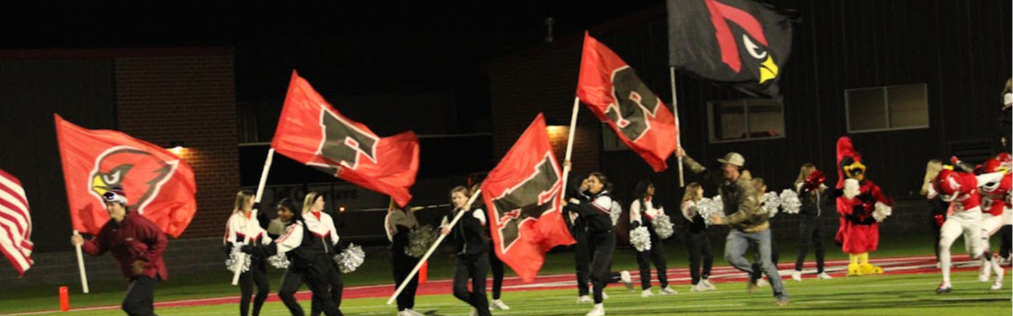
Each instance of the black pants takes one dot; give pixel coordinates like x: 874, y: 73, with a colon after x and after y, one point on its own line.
x: 582, y: 260
x: 1006, y: 232
x: 497, y: 274
x: 320, y: 278
x: 140, y: 298
x: 256, y: 276
x: 474, y: 268
x: 775, y: 254
x: 290, y: 284
x: 700, y: 250
x: 604, y: 244
x: 403, y: 265
x: 810, y: 231
x: 332, y: 277
x: 657, y: 256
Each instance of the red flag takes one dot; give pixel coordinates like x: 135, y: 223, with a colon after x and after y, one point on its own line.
x: 15, y: 223
x: 158, y: 185
x: 312, y: 132
x: 522, y: 195
x: 614, y: 93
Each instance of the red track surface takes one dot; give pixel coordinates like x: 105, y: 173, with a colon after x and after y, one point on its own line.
x: 719, y: 274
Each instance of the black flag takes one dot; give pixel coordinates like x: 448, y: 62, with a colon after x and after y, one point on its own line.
x: 741, y: 43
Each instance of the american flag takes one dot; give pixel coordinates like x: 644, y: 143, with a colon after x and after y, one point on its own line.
x: 15, y: 223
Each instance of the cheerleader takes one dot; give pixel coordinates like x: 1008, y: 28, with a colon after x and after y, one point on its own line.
x: 308, y: 261
x: 472, y: 262
x: 810, y: 189
x: 699, y: 240
x: 241, y: 224
x: 595, y: 205
x: 775, y: 253
x: 399, y: 223
x: 643, y: 213
x: 322, y: 226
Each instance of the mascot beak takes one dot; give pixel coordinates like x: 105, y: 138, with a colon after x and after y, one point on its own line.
x: 768, y: 70
x: 98, y: 185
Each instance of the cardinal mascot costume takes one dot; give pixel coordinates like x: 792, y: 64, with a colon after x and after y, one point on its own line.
x: 862, y: 206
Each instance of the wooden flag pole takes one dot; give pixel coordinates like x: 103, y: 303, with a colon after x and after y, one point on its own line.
x: 678, y: 134
x: 569, y: 144
x: 256, y: 199
x: 80, y: 267
x: 431, y: 250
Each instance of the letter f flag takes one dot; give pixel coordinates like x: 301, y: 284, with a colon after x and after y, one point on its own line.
x: 312, y: 132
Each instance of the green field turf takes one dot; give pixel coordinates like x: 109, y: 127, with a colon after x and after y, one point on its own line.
x: 903, y: 293
x: 875, y: 295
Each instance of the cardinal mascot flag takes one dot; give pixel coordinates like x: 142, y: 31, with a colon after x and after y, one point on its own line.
x: 614, y: 93
x: 158, y: 185
x: 522, y: 195
x: 740, y: 43
x: 312, y: 132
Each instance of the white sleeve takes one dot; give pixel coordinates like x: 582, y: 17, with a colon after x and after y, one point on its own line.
x: 291, y: 239
x: 603, y: 203
x: 635, y: 212
x: 480, y: 215
x: 334, y: 230
x: 230, y: 230
x: 689, y: 210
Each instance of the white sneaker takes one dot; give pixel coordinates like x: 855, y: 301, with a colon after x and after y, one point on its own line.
x: 598, y: 310
x: 403, y: 313
x: 985, y: 273
x: 668, y: 291
x: 624, y: 276
x: 474, y: 312
x: 997, y: 285
x: 699, y: 287
x: 823, y: 276
x: 761, y: 282
x: 583, y: 299
x: 708, y: 285
x: 646, y: 293
x: 797, y: 275
x: 498, y: 304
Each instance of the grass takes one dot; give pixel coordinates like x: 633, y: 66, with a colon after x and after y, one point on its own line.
x: 377, y: 271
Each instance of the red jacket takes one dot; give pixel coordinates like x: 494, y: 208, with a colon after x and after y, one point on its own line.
x: 136, y: 238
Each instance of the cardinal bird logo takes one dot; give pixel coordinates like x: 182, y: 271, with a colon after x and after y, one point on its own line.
x: 139, y: 173
x: 753, y: 40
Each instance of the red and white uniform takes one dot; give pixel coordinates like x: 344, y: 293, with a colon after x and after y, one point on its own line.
x: 995, y: 202
x: 964, y: 215
x: 638, y: 211
x: 240, y: 225
x: 322, y: 225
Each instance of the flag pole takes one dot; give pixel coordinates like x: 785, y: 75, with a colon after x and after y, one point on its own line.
x: 678, y: 134
x: 569, y: 144
x: 431, y: 250
x: 80, y: 266
x: 256, y: 199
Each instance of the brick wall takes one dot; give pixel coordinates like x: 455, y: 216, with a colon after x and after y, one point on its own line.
x: 189, y: 99
x: 543, y: 80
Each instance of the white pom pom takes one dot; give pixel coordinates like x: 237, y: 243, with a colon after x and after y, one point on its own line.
x: 278, y: 261
x: 710, y: 207
x: 640, y: 238
x: 771, y: 203
x: 882, y: 211
x: 350, y: 259
x: 235, y: 257
x: 663, y: 226
x: 789, y: 202
x: 851, y: 188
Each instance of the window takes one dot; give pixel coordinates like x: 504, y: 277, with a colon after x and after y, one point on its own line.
x: 745, y: 119
x: 887, y: 108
